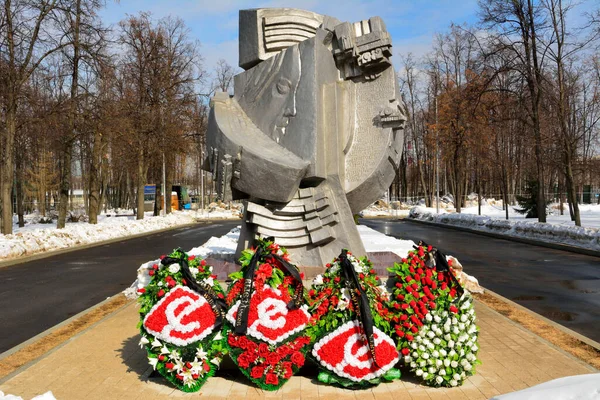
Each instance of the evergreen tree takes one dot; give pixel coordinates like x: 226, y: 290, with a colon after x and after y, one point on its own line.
x: 528, y: 202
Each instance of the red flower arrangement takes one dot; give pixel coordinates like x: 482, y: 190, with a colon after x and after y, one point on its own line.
x: 418, y: 289
x: 179, y: 325
x: 338, y: 328
x: 267, y: 341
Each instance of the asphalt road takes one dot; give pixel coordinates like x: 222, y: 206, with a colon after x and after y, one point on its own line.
x: 560, y: 285
x: 37, y: 295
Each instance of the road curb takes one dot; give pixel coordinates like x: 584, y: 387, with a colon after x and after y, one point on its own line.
x: 45, y: 254
x: 556, y: 325
x: 550, y: 245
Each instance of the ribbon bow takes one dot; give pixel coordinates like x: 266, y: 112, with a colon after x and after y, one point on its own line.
x: 361, y: 302
x: 241, y: 321
x: 216, y: 304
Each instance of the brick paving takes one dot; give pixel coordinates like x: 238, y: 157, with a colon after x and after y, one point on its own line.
x: 105, y: 362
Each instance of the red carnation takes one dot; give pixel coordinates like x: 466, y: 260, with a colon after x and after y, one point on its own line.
x: 265, y: 270
x: 232, y: 340
x: 414, y: 329
x: 180, y: 377
x: 263, y: 350
x: 169, y: 365
x: 361, y: 275
x: 298, y: 359
x: 220, y: 295
x: 244, y: 360
x: 403, y: 317
x: 257, y: 372
x: 444, y: 285
x: 405, y: 351
x: 142, y: 290
x: 272, y: 379
x: 161, y: 357
x: 160, y: 293
x: 243, y: 342
x: 206, y: 367
x: 400, y: 333
x: 287, y: 370
x: 440, y: 276
x: 283, y: 350
x: 273, y: 359
x: 453, y: 309
x: 151, y: 273
x: 336, y: 279
x: 409, y: 338
x: 396, y: 306
x: 162, y: 257
x: 190, y: 258
x: 327, y: 265
x: 431, y: 304
x: 155, y: 267
x: 203, y: 263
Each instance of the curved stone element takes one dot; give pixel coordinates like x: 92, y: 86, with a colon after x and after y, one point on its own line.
x: 313, y: 133
x: 266, y: 31
x: 261, y: 167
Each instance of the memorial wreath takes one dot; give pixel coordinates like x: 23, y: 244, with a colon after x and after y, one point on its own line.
x: 432, y: 318
x: 348, y: 325
x: 267, y: 316
x: 182, y: 311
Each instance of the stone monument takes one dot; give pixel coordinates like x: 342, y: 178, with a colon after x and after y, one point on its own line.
x: 313, y: 132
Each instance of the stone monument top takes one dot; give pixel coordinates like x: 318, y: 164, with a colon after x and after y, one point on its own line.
x: 313, y: 132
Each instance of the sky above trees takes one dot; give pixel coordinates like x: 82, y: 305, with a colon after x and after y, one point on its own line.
x: 412, y: 24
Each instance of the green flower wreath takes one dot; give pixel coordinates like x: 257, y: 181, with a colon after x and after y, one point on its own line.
x: 186, y: 366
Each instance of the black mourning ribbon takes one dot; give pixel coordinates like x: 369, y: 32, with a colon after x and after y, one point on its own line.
x: 436, y: 259
x: 217, y: 304
x: 241, y: 321
x: 361, y: 303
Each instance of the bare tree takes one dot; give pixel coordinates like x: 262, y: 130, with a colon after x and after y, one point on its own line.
x: 518, y: 24
x: 25, y: 42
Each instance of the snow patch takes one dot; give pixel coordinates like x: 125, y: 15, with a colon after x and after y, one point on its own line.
x: 556, y: 230
x: 40, y: 237
x: 579, y: 387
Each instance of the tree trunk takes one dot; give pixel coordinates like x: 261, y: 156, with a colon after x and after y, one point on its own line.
x: 67, y: 153
x: 7, y: 167
x: 169, y: 166
x: 19, y: 189
x: 94, y: 181
x: 141, y: 182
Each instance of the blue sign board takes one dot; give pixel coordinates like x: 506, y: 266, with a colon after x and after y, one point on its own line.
x: 149, y: 189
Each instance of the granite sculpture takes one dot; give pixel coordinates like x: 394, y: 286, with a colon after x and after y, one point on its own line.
x: 313, y: 133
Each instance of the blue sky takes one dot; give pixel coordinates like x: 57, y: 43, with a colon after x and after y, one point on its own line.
x: 412, y: 23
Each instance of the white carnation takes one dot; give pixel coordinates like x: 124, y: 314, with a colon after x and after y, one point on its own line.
x: 174, y: 268
x: 419, y: 372
x: 439, y: 379
x: 453, y: 383
x: 318, y: 280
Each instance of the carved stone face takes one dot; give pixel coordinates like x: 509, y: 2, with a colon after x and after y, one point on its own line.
x: 269, y: 92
